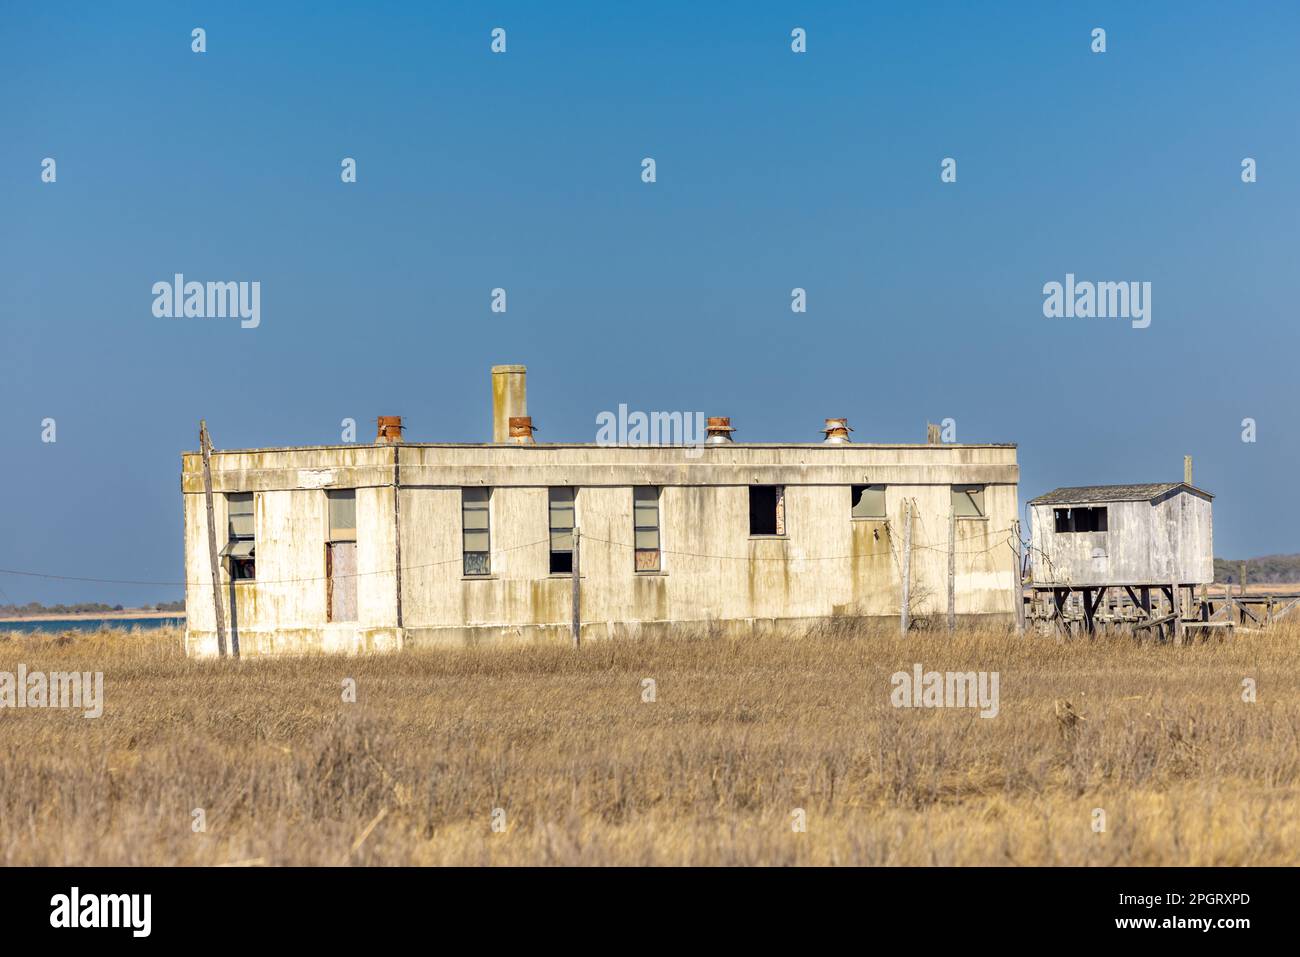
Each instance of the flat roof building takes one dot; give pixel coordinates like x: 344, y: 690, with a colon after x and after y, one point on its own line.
x: 359, y: 548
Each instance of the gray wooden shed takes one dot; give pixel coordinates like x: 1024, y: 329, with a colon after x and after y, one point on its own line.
x: 1108, y: 535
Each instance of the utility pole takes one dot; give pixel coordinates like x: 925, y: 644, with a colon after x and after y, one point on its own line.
x: 1019, y: 585
x: 905, y: 621
x: 205, y: 446
x: 577, y: 588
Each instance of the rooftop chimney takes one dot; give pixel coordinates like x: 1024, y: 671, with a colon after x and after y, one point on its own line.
x: 509, y: 401
x: 933, y: 434
x: 837, y: 432
x: 390, y: 430
x: 1187, y: 469
x: 719, y: 431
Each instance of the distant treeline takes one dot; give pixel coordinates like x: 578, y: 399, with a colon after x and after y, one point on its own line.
x: 1266, y: 570
x: 82, y: 608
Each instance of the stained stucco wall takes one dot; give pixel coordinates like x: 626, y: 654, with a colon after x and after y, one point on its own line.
x: 827, y: 564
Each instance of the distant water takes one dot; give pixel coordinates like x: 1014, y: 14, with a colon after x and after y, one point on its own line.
x: 89, y: 624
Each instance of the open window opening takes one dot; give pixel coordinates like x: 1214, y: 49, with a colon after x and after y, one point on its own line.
x: 1088, y: 519
x: 561, y: 507
x: 645, y: 527
x: 240, y: 553
x: 766, y: 510
x: 475, y: 514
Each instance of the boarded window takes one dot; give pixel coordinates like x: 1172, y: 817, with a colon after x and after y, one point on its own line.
x: 341, y: 580
x: 968, y: 501
x: 766, y: 510
x: 561, y: 502
x: 868, y: 501
x: 1081, y: 519
x: 645, y: 527
x: 475, y: 519
x: 341, y: 555
x: 240, y: 553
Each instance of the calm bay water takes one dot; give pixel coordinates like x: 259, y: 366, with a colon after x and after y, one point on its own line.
x: 90, y: 624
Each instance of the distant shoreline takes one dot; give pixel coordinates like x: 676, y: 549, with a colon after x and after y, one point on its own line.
x: 90, y: 615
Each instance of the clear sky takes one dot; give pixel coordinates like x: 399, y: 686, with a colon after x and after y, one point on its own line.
x: 522, y: 170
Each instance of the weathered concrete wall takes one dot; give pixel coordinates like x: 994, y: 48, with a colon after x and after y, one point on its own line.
x: 1144, y: 544
x: 712, y: 570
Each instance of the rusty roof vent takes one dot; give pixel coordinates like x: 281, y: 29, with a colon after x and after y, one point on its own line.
x: 719, y: 430
x: 837, y: 432
x: 521, y: 429
x: 390, y: 430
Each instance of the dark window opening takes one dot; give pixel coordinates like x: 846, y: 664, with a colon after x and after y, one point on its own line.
x: 1081, y: 519
x: 766, y: 510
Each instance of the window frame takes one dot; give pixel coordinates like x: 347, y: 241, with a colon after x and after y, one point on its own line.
x: 552, y: 529
x: 235, y: 566
x: 884, y: 509
x: 638, y: 529
x: 980, y: 505
x: 466, y: 531
x: 336, y: 535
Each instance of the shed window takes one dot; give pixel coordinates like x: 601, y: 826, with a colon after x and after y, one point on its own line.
x: 968, y: 501
x: 868, y: 501
x: 561, y: 502
x: 240, y: 550
x: 1091, y: 519
x: 645, y: 527
x: 766, y: 510
x: 341, y: 555
x: 475, y: 516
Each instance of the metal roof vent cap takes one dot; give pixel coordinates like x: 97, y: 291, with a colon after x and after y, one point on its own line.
x: 521, y: 429
x: 837, y: 432
x: 719, y: 430
x: 390, y: 430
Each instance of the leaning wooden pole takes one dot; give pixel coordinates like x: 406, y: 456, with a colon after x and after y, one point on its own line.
x: 1018, y: 590
x: 952, y: 570
x: 205, y: 446
x: 577, y: 589
x: 904, y: 613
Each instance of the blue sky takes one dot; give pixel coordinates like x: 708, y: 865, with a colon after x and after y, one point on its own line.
x: 775, y: 170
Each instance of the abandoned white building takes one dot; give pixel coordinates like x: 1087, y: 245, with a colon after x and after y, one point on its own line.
x: 1133, y: 539
x: 362, y: 548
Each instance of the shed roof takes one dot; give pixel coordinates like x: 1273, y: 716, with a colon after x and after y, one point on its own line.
x: 1083, y: 494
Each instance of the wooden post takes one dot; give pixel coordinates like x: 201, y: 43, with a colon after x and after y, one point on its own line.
x: 397, y: 535
x: 1176, y: 611
x: 577, y: 589
x: 1018, y: 585
x: 952, y: 569
x: 1241, y: 578
x: 205, y: 446
x: 1187, y: 470
x: 905, y: 619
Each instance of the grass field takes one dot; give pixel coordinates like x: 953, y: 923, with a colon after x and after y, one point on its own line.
x: 741, y: 736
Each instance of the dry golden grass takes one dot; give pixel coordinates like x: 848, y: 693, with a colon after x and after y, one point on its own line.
x: 742, y: 733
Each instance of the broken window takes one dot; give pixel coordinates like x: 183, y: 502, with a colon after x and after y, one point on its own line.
x: 476, y: 530
x: 561, y: 501
x: 1089, y: 519
x: 766, y: 510
x: 341, y: 556
x: 868, y: 501
x: 240, y: 551
x: 968, y: 501
x: 645, y: 527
